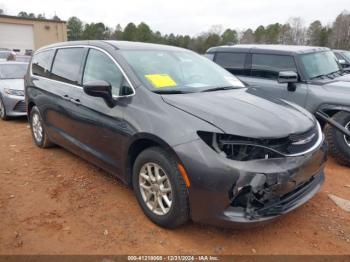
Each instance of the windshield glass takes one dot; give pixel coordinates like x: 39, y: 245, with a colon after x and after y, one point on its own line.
x: 13, y: 71
x: 182, y: 71
x: 319, y: 64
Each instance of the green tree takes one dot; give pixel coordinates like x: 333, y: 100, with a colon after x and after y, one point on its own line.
x: 144, y: 33
x: 314, y: 33
x: 158, y: 38
x: 272, y: 33
x: 130, y: 32
x: 23, y: 14
x: 95, y: 31
x: 259, y: 35
x: 229, y: 37
x: 75, y: 28
x: 325, y: 36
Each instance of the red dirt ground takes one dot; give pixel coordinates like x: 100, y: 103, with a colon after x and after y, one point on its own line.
x: 52, y: 202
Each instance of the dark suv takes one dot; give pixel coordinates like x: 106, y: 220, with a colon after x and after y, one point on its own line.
x: 308, y: 76
x: 343, y: 58
x: 182, y: 131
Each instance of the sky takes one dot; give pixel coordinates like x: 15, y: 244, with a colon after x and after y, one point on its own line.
x: 183, y: 16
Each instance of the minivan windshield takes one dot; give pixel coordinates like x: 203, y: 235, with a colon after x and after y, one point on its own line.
x: 13, y: 71
x: 164, y: 71
x: 320, y: 64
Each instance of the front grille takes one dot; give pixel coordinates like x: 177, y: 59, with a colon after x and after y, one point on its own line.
x: 302, y: 142
x: 20, y: 107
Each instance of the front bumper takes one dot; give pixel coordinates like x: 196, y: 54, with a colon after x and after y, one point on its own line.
x: 14, y: 105
x: 217, y: 183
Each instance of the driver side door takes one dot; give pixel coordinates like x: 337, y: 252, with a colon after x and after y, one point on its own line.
x: 102, y: 128
x: 263, y: 79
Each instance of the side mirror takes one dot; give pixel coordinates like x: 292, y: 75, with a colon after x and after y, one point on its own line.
x: 100, y: 88
x: 342, y: 61
x: 289, y: 77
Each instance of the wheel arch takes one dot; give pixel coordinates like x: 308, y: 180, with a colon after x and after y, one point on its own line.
x: 139, y: 143
x: 331, y: 110
x: 30, y: 106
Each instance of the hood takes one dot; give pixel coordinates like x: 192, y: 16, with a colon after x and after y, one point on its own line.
x: 338, y: 85
x: 240, y: 113
x: 17, y: 84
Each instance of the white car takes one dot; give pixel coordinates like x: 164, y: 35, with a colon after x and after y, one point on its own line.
x: 12, y: 89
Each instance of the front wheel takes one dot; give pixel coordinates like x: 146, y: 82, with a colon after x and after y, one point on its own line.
x: 160, y: 188
x: 339, y: 144
x: 38, y: 129
x: 3, y: 115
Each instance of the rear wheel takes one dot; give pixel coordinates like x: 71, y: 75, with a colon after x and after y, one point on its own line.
x: 3, y: 115
x: 160, y: 188
x: 38, y: 129
x: 339, y: 144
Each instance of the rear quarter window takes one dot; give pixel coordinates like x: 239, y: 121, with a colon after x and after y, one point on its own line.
x: 67, y: 65
x: 41, y: 63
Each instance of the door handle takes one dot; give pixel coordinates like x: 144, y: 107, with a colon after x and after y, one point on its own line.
x: 75, y: 101
x: 66, y: 97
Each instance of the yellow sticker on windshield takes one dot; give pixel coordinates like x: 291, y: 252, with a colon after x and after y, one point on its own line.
x: 161, y: 80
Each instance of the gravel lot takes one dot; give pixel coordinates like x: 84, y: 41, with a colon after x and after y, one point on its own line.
x: 52, y: 202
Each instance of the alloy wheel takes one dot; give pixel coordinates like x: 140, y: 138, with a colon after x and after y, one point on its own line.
x: 155, y: 188
x: 2, y: 108
x: 346, y: 138
x: 37, y: 128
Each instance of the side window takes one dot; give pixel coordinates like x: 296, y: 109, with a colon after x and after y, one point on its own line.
x: 232, y: 62
x: 339, y: 57
x: 67, y: 64
x: 100, y: 67
x: 41, y: 63
x: 269, y: 66
x: 210, y: 56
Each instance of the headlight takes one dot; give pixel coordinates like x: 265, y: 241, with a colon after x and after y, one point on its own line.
x: 245, y: 149
x: 13, y: 92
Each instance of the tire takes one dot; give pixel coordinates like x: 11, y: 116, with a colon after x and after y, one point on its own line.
x: 178, y: 212
x: 3, y: 115
x: 338, y: 147
x: 38, y: 129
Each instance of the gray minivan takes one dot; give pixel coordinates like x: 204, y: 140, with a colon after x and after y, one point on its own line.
x: 180, y: 130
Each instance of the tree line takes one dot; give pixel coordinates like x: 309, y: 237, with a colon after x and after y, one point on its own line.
x: 294, y: 32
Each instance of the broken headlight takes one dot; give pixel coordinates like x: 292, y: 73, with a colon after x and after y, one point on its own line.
x: 244, y: 149
x: 237, y: 148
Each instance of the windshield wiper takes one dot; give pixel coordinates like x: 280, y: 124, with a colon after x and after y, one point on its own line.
x: 170, y: 92
x: 329, y: 75
x: 219, y: 88
x: 322, y: 75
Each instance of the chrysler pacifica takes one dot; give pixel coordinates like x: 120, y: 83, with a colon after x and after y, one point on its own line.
x: 184, y: 133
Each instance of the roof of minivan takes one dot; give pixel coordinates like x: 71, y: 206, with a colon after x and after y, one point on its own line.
x: 120, y: 45
x: 271, y: 49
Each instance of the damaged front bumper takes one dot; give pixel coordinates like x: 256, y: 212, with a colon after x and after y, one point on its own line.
x: 225, y: 192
